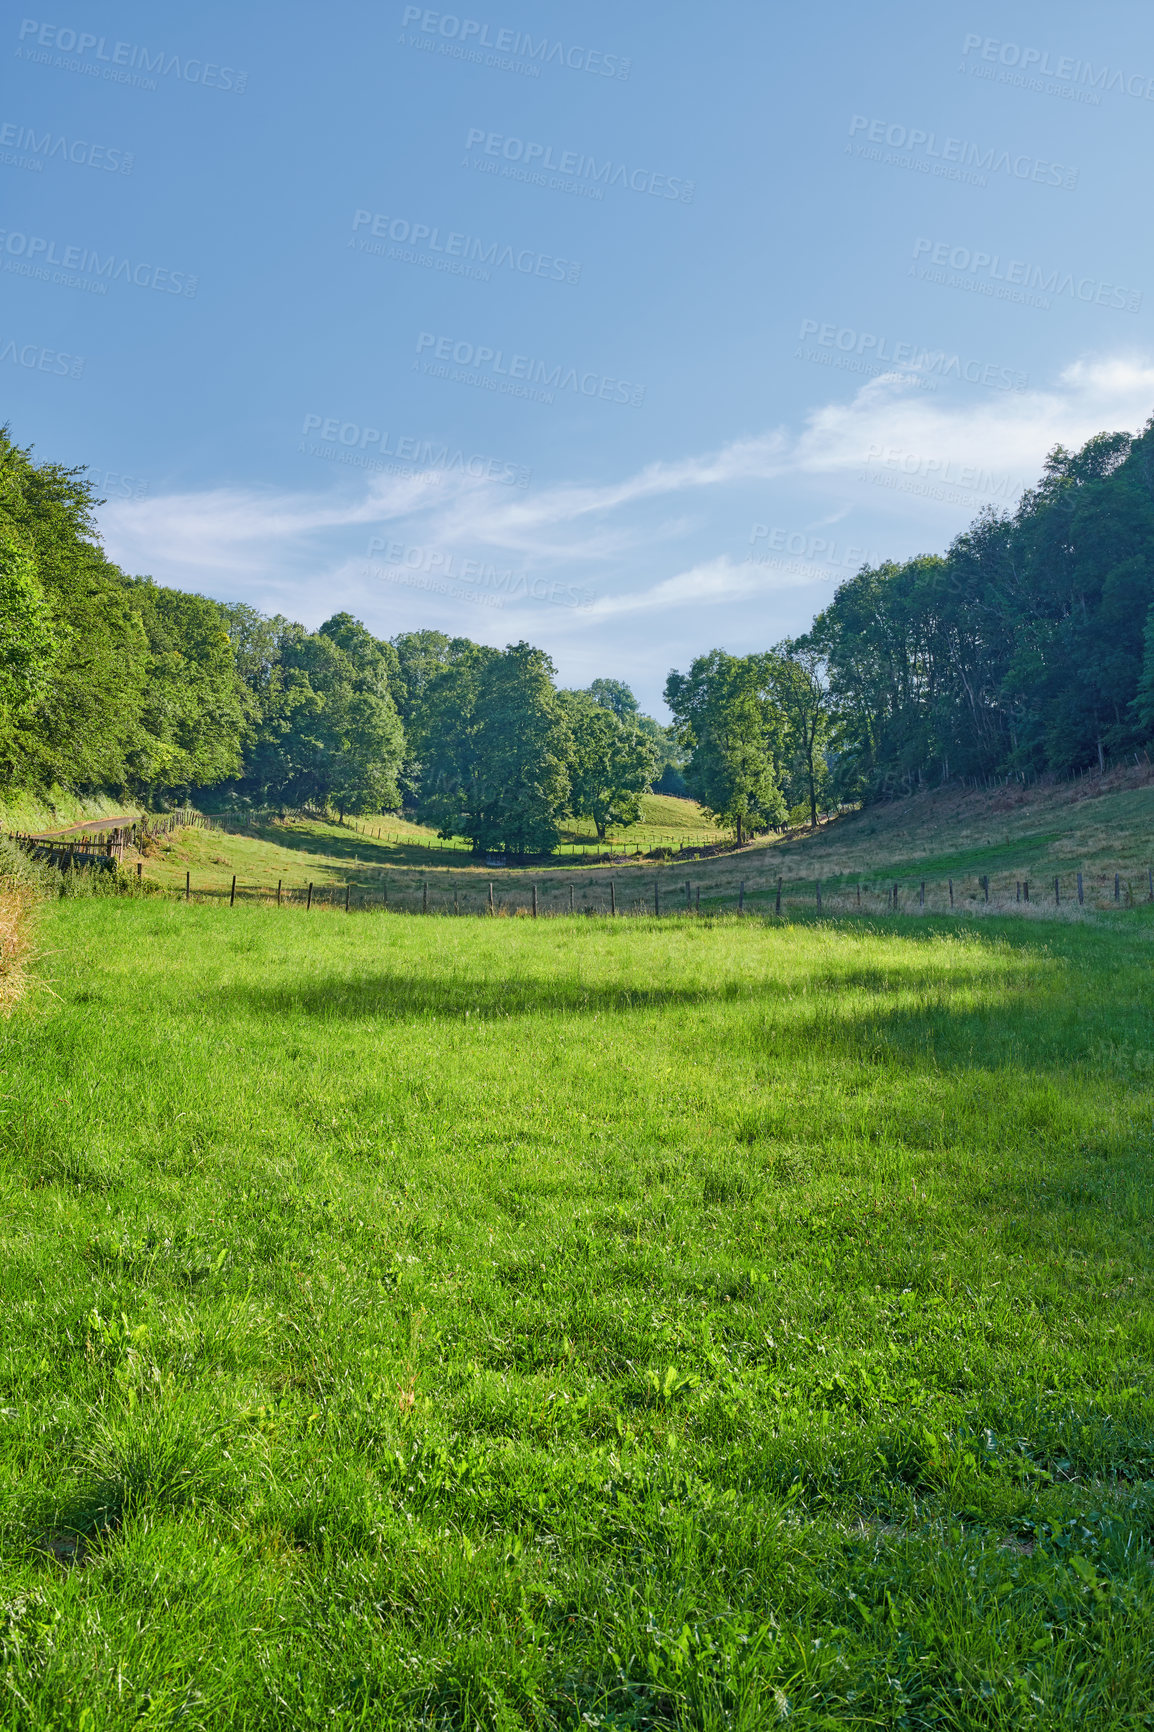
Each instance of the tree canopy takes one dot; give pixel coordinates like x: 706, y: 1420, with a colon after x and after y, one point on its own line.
x: 1027, y: 645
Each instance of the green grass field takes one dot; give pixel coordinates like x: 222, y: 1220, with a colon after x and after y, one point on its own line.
x: 427, y: 1323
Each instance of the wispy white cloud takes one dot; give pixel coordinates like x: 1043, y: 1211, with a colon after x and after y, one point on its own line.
x: 1010, y: 430
x: 708, y: 584
x: 275, y: 542
x: 244, y: 529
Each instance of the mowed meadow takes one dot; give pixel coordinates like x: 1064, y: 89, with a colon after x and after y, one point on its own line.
x: 576, y: 1323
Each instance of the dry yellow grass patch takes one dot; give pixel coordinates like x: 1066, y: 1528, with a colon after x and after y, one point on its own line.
x: 17, y: 902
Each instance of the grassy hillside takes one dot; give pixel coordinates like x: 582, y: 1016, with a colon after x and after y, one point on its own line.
x: 581, y: 1325
x: 386, y: 855
x: 1101, y: 825
x: 1013, y: 837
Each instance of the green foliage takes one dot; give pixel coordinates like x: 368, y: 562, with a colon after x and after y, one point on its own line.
x: 505, y: 1325
x: 612, y: 761
x: 801, y: 687
x: 84, y: 725
x: 328, y: 733
x: 616, y: 696
x: 111, y: 682
x: 27, y: 638
x: 192, y: 710
x: 728, y: 717
x: 494, y: 748
x: 1023, y: 648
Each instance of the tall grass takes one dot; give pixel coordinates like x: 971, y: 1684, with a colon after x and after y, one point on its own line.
x: 453, y: 1324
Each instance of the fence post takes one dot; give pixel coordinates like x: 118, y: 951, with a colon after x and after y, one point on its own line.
x: 232, y: 892
x: 278, y: 885
x: 1017, y: 890
x: 777, y: 904
x: 1079, y: 887
x: 1057, y: 894
x: 859, y: 895
x: 534, y: 902
x: 1117, y: 896
x: 425, y: 897
x: 612, y: 898
x: 985, y: 884
x: 570, y: 898
x: 456, y: 904
x: 348, y: 887
x: 309, y: 900
x: 1025, y: 889
x: 139, y: 870
x: 950, y: 882
x: 492, y: 910
x: 187, y: 885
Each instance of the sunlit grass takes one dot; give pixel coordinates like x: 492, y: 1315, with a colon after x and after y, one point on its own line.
x: 583, y: 1323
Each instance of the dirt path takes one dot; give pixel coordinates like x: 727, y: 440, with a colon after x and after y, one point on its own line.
x: 87, y: 824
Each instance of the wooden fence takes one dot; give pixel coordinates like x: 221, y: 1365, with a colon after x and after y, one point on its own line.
x: 634, y: 893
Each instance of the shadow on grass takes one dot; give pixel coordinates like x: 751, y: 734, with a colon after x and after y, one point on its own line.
x: 355, y: 845
x: 978, y: 1021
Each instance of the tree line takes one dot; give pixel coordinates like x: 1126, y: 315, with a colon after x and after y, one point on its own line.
x: 116, y: 683
x: 1028, y: 645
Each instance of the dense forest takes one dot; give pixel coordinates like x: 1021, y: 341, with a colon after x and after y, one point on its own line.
x: 1028, y: 646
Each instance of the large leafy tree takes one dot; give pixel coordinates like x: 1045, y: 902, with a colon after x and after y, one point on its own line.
x: 192, y: 706
x: 79, y: 728
x: 329, y: 733
x: 422, y: 656
x: 727, y: 715
x: 802, y: 689
x: 495, y: 751
x: 612, y: 761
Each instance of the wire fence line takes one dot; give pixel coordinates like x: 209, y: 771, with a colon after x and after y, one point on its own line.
x: 665, y: 895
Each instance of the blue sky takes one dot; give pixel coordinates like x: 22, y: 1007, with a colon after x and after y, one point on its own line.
x: 628, y: 330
